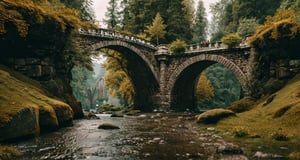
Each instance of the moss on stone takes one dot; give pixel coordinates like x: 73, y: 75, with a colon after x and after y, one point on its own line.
x: 22, y: 96
x: 214, y: 115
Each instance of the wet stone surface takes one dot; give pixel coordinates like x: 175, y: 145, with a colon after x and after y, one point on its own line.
x: 150, y: 136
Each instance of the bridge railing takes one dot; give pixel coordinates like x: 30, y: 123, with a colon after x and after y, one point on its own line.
x: 206, y: 45
x: 111, y: 34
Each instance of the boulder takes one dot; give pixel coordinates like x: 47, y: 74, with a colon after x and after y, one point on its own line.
x: 229, y: 148
x: 23, y: 124
x: 214, y: 115
x: 64, y: 114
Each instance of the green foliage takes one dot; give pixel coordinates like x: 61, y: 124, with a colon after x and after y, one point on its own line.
x: 226, y: 87
x: 232, y: 40
x: 200, y: 25
x: 157, y: 29
x: 242, y: 105
x: 247, y: 27
x: 136, y: 15
x: 112, y: 14
x: 204, y: 89
x: 228, y: 14
x: 177, y: 46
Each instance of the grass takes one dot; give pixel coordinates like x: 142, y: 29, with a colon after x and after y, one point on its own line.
x: 282, y: 113
x: 19, y: 92
x: 270, y: 126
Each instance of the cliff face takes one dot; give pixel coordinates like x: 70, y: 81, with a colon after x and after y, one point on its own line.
x: 40, y: 56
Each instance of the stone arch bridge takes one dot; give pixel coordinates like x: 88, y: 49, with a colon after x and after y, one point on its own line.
x: 161, y: 79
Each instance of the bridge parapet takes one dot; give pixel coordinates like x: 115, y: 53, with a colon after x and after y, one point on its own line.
x: 206, y: 46
x: 111, y: 34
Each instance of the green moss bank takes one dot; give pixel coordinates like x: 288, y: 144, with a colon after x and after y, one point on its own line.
x: 270, y: 124
x: 26, y: 109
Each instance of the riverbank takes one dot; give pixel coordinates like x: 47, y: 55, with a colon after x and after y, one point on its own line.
x: 26, y: 109
x: 272, y: 123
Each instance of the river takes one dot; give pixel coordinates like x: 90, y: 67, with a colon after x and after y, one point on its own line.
x: 153, y: 136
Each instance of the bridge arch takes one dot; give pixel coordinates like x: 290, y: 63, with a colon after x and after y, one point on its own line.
x: 141, y: 71
x: 183, y: 79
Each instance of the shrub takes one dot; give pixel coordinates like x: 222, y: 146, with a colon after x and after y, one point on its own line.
x: 240, y: 132
x: 177, y: 46
x: 279, y: 135
x: 214, y: 115
x: 232, y: 40
x: 241, y: 105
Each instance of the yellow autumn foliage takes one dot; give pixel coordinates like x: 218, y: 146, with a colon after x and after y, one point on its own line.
x: 22, y: 13
x: 204, y: 89
x: 283, y: 24
x: 117, y: 79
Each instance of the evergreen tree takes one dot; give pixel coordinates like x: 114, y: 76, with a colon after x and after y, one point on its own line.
x: 84, y: 6
x: 178, y: 26
x: 200, y: 23
x: 157, y: 29
x: 112, y: 15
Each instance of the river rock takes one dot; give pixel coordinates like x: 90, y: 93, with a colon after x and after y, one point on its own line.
x: 233, y: 157
x: 261, y: 155
x: 108, y: 126
x: 117, y: 114
x: 229, y: 148
x: 24, y: 123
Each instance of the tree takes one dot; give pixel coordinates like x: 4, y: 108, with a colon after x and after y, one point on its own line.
x: 84, y: 6
x: 247, y: 26
x: 204, y: 89
x: 226, y: 87
x: 200, y: 23
x: 157, y: 29
x: 117, y: 79
x: 112, y: 15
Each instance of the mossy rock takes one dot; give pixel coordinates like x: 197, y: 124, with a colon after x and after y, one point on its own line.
x: 108, y: 108
x: 214, y: 115
x: 241, y: 105
x: 133, y: 112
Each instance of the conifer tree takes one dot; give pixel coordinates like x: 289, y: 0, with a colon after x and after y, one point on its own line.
x: 112, y: 15
x: 157, y: 29
x: 200, y: 26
